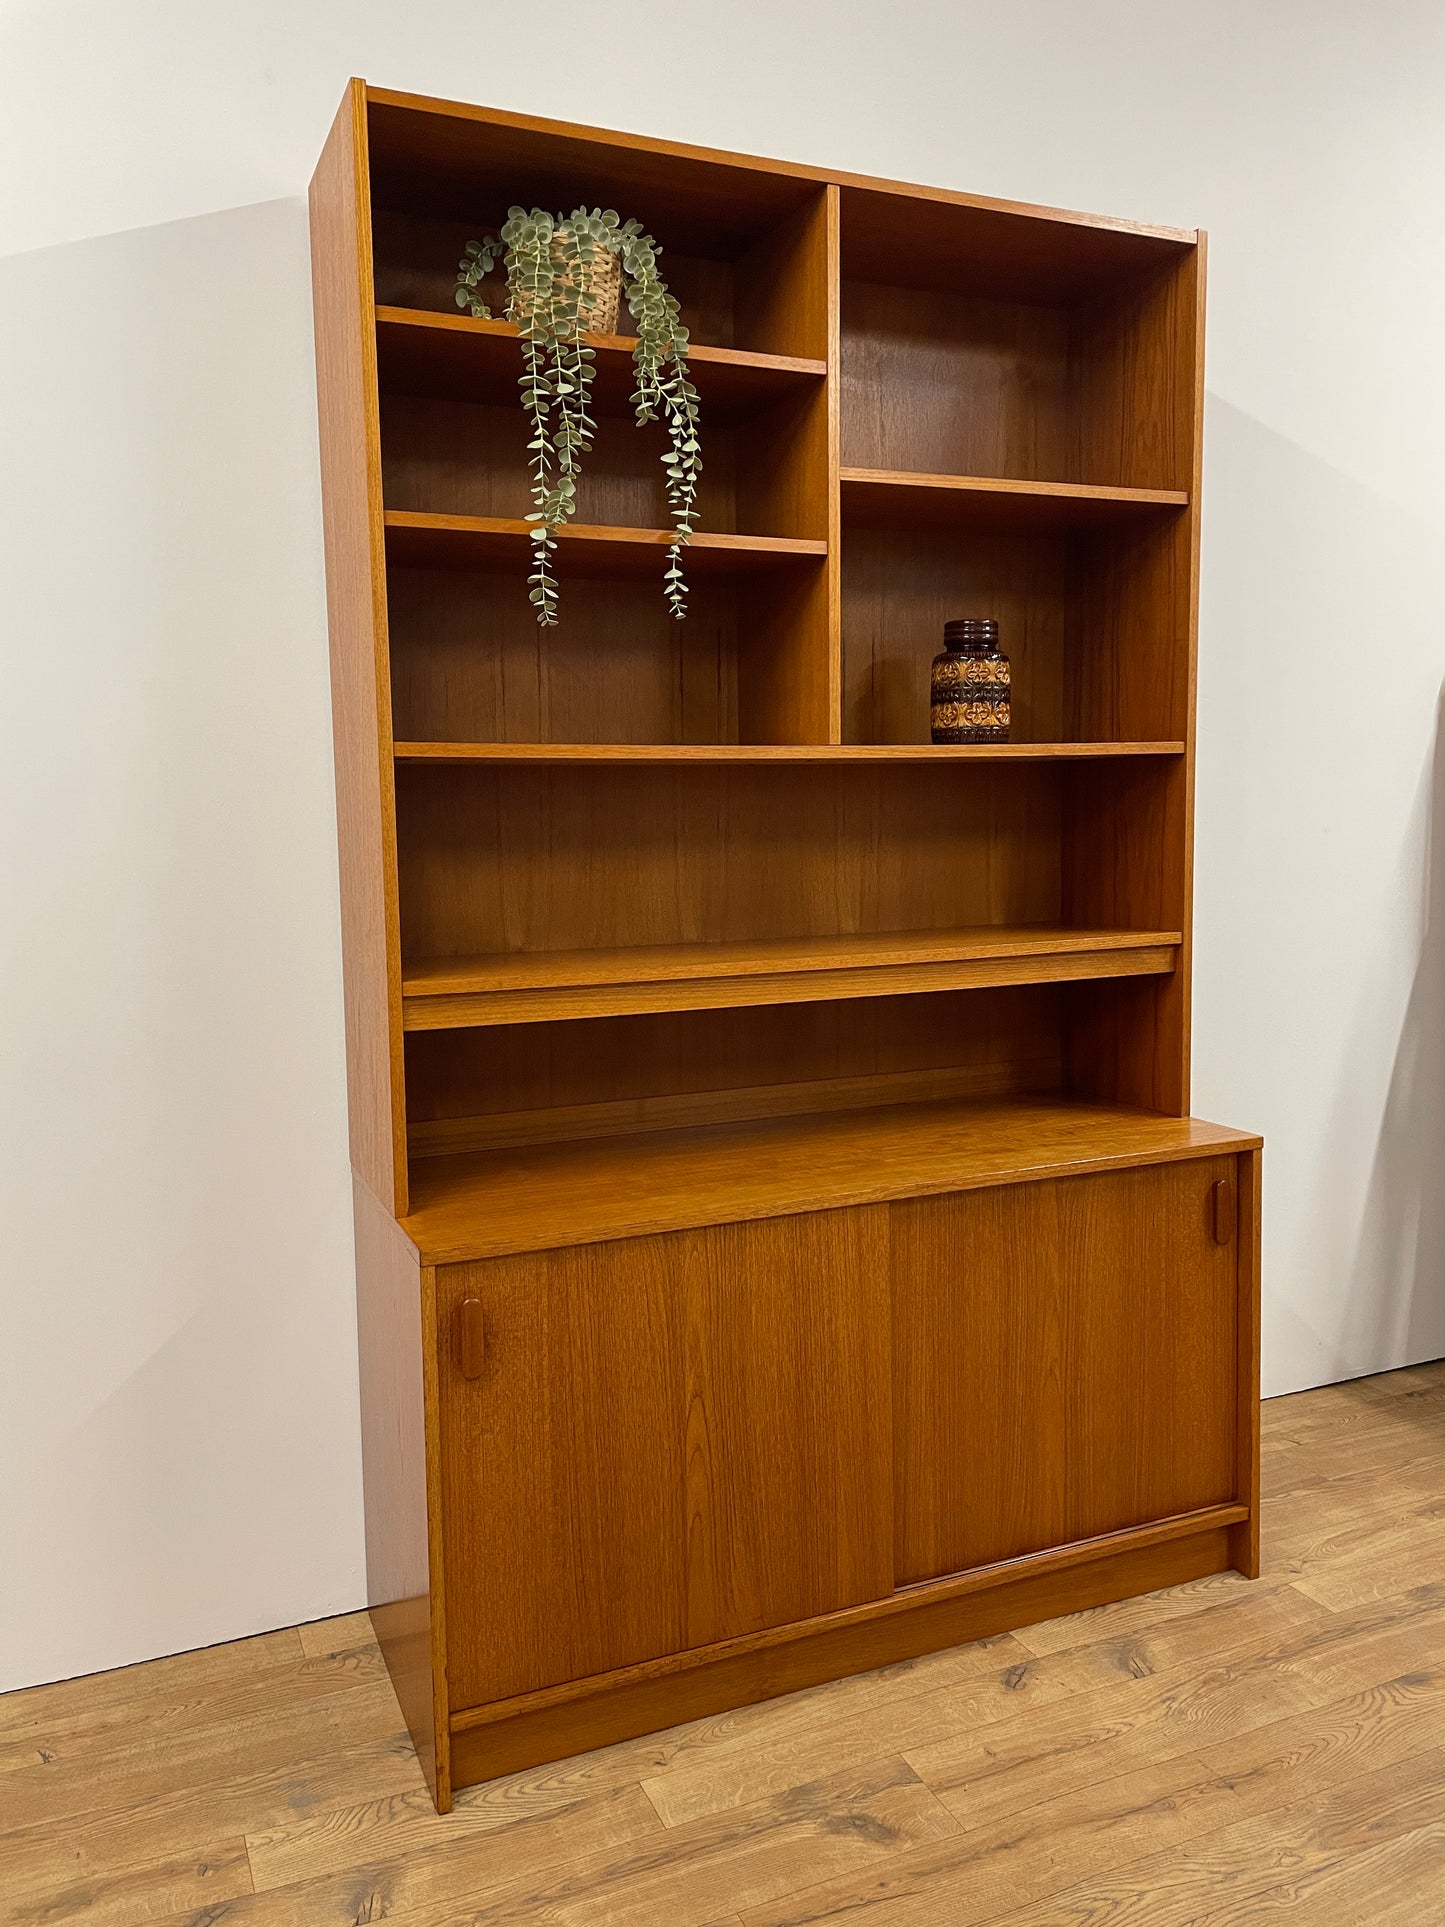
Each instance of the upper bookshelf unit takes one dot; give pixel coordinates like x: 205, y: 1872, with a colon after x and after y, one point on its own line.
x: 914, y: 406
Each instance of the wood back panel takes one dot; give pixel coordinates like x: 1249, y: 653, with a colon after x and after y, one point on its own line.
x: 519, y: 1084
x: 899, y: 587
x: 945, y: 384
x: 356, y: 623
x: 470, y: 665
x: 446, y: 457
x: 522, y: 858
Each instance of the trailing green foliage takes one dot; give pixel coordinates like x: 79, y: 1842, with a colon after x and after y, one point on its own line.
x: 552, y: 262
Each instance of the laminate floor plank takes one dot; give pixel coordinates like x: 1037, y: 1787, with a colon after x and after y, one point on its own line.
x: 1225, y: 1754
x: 69, y: 1887
x: 432, y: 1877
x: 686, y: 1876
x: 320, y: 1638
x: 1000, y: 1704
x: 1287, y: 1859
x: 1093, y: 1825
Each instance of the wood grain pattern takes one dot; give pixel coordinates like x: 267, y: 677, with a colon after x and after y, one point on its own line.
x: 530, y: 1199
x: 1063, y: 1363
x: 428, y: 144
x: 621, y: 1445
x: 887, y: 498
x: 521, y: 858
x: 1244, y: 1548
x: 454, y: 357
x: 481, y: 541
x: 595, y: 752
x: 618, y: 1117
x: 397, y: 1377
x: 552, y: 986
x: 543, y: 970
x: 787, y: 470
x: 499, y: 1085
x: 871, y: 1638
x: 356, y: 620
x: 468, y: 660
x: 1228, y: 1751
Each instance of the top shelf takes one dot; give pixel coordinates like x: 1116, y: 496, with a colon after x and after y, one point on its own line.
x: 891, y: 498
x: 456, y: 358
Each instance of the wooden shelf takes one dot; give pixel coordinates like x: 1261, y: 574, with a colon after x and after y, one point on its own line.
x: 887, y: 498
x: 552, y: 986
x: 778, y: 753
x: 455, y: 358
x: 499, y: 542
x: 488, y: 1203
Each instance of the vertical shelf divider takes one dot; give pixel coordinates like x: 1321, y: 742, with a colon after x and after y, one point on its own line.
x: 786, y: 306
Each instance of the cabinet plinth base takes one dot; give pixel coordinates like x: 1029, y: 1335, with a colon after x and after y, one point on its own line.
x: 492, y: 1740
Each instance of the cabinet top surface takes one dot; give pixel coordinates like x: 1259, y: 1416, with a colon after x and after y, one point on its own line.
x: 420, y: 129
x: 488, y: 1203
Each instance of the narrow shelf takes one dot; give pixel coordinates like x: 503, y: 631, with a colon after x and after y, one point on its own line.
x: 489, y: 541
x: 886, y: 498
x: 783, y: 753
x: 455, y: 358
x: 483, y: 1204
x: 527, y: 987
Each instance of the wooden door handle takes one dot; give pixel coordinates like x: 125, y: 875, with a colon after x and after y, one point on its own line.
x: 1224, y: 1211
x: 472, y: 1337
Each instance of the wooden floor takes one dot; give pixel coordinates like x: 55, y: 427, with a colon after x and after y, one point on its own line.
x: 1224, y: 1753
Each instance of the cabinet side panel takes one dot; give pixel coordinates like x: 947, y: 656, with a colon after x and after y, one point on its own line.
x: 356, y: 619
x: 1244, y: 1539
x: 389, y: 1330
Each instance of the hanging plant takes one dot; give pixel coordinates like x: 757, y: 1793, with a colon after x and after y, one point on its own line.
x: 561, y: 270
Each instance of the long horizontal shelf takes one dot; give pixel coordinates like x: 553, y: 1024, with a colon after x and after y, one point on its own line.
x: 489, y: 541
x: 552, y: 986
x: 888, y: 498
x: 456, y: 358
x: 487, y: 1203
x: 780, y: 753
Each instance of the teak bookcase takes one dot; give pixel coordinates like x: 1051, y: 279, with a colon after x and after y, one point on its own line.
x: 783, y: 1245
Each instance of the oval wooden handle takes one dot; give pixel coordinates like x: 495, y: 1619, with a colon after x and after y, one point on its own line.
x: 472, y: 1337
x: 1224, y: 1211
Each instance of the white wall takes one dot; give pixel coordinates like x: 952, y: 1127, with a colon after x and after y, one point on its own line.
x: 178, y: 1440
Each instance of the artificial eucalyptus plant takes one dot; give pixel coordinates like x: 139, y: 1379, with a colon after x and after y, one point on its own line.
x: 554, y: 264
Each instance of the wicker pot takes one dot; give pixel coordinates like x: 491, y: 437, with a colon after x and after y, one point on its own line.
x: 600, y: 299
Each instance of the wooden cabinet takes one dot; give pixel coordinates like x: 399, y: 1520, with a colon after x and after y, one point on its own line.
x: 1063, y: 1363
x: 783, y: 1244
x: 670, y: 1441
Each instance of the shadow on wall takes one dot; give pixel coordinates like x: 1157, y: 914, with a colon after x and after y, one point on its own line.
x: 179, y: 1430
x: 1397, y: 1297
x: 1320, y: 933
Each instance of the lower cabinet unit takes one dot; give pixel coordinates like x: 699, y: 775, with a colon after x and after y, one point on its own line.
x: 678, y: 1472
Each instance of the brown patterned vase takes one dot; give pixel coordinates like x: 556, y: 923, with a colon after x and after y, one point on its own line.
x: 970, y: 693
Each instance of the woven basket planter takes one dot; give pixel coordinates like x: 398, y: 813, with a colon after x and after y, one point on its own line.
x: 600, y: 299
